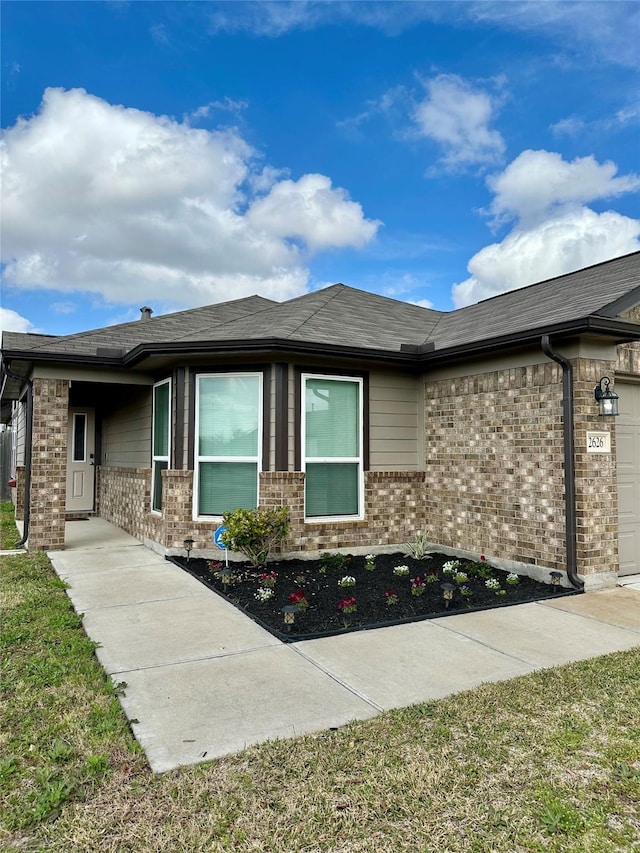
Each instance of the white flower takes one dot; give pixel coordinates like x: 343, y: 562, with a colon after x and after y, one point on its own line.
x: 264, y: 593
x: 347, y: 580
x: 451, y: 566
x: 462, y: 577
x: 370, y: 557
x: 401, y: 571
x: 513, y: 578
x: 492, y: 583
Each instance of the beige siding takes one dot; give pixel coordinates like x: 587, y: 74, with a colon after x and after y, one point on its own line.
x: 126, y: 431
x: 19, y: 424
x: 393, y: 422
x: 394, y: 419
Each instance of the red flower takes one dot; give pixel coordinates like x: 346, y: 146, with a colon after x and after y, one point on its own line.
x: 299, y: 599
x: 348, y: 604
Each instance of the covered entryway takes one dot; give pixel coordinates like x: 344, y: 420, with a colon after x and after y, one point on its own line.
x: 81, y: 460
x: 628, y: 463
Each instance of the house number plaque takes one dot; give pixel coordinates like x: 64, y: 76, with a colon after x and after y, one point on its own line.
x: 598, y: 442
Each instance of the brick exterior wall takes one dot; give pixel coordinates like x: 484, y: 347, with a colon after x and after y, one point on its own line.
x: 124, y: 499
x: 49, y: 464
x: 595, y: 475
x: 493, y: 484
x: 494, y: 457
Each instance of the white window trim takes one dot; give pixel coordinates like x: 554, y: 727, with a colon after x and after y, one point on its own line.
x: 198, y: 459
x: 155, y: 458
x: 323, y: 519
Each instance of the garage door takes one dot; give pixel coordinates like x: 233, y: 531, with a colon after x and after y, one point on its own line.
x: 628, y: 450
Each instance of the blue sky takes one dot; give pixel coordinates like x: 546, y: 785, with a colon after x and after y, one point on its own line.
x: 179, y: 154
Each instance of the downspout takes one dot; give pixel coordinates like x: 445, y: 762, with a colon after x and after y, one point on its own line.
x: 28, y: 447
x: 569, y: 460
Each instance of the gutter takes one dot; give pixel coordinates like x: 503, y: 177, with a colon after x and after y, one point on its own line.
x: 28, y: 450
x: 569, y: 460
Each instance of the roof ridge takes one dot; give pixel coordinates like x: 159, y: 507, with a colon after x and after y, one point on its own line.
x: 228, y: 323
x: 331, y: 296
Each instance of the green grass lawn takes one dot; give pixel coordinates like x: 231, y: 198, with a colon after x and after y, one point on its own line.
x: 546, y: 762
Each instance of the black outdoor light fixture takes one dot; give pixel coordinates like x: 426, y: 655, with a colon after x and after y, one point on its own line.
x: 226, y: 576
x: 188, y: 547
x: 555, y: 579
x: 607, y: 399
x: 447, y: 591
x: 289, y: 613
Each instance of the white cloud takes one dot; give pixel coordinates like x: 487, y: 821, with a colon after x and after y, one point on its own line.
x: 596, y: 30
x: 312, y: 211
x: 457, y: 117
x: 538, y: 182
x: 11, y: 321
x: 555, y: 231
x: 123, y: 203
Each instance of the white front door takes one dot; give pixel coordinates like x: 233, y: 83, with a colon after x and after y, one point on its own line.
x: 80, y: 460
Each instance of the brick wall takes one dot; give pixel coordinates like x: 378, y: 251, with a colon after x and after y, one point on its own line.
x: 49, y: 464
x: 494, y: 456
x: 124, y: 498
x: 595, y: 475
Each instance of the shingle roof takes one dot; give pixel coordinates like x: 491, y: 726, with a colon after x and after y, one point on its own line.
x: 346, y: 317
x: 567, y: 297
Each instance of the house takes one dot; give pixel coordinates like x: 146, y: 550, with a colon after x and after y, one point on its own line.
x: 371, y: 419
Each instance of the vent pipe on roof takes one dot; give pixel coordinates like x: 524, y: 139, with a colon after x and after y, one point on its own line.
x: 146, y: 313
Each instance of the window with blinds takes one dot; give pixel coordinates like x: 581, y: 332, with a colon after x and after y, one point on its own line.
x: 332, y: 446
x: 161, y: 439
x: 228, y: 450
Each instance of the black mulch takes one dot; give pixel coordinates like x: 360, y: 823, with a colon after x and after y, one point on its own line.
x: 314, y: 588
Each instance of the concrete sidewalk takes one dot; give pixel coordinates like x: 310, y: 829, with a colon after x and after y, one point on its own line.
x: 203, y: 681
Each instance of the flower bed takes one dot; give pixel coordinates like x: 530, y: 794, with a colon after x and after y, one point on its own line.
x: 340, y: 592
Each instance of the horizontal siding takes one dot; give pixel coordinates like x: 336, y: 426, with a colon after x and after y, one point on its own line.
x: 393, y: 422
x: 126, y: 433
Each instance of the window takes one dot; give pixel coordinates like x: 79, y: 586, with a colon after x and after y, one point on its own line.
x: 160, y: 440
x: 228, y: 436
x: 332, y: 446
x: 79, y: 437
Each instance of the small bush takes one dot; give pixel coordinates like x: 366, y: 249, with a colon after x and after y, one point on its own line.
x: 333, y: 561
x: 255, y: 532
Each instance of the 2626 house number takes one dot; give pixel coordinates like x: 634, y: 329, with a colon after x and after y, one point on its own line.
x: 598, y: 442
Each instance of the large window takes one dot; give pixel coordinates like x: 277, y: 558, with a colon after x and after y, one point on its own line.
x: 161, y: 440
x: 332, y: 446
x: 228, y: 435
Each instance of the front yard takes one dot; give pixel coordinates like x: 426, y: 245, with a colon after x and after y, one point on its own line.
x: 546, y: 762
x: 341, y: 592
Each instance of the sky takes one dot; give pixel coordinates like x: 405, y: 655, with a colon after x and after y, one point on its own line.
x: 178, y: 154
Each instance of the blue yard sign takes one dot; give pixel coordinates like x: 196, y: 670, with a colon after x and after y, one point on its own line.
x: 217, y: 537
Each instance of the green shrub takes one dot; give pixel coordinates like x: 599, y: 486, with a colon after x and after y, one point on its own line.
x: 333, y: 561
x: 255, y: 532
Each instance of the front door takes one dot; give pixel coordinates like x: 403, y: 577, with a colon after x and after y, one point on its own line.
x: 80, y: 460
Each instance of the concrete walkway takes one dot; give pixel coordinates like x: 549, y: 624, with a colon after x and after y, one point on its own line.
x: 203, y: 681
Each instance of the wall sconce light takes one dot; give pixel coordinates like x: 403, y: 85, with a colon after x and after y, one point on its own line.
x: 188, y: 547
x: 607, y: 399
x: 447, y: 591
x: 289, y: 613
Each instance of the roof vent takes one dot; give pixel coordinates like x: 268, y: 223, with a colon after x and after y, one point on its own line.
x: 146, y: 313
